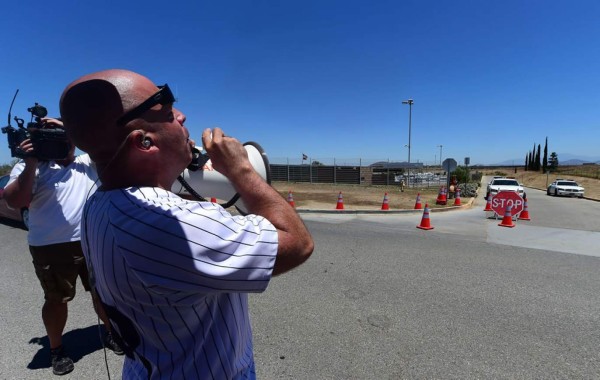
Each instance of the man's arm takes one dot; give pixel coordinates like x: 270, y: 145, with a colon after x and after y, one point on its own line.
x: 18, y: 193
x: 230, y: 158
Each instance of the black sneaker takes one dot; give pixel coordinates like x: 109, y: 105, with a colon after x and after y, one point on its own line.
x: 61, y: 363
x: 109, y: 342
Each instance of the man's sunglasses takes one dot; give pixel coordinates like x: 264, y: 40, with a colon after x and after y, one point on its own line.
x: 163, y: 96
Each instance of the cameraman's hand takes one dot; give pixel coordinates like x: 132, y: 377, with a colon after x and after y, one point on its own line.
x: 49, y: 122
x: 228, y: 155
x: 27, y: 147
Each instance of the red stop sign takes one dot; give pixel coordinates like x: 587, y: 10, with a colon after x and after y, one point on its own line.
x: 504, y: 199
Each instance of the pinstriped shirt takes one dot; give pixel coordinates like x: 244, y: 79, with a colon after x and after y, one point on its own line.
x: 173, y: 276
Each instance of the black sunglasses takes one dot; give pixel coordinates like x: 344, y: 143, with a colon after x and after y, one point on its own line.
x: 163, y: 96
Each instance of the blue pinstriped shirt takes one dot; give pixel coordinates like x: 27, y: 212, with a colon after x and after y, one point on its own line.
x: 173, y: 276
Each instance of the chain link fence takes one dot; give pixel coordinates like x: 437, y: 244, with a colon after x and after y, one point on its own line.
x: 357, y: 171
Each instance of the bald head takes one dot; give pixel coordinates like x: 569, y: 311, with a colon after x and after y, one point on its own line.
x: 91, y: 105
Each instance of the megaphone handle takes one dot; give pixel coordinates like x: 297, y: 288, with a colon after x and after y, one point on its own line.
x: 191, y: 190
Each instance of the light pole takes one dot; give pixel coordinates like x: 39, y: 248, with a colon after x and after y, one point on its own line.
x: 410, y: 103
x: 440, y: 146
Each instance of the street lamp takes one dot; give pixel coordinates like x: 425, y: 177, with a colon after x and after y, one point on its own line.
x: 440, y: 146
x: 410, y: 103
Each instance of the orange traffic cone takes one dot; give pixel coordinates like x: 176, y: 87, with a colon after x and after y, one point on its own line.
x: 442, y: 198
x: 457, y: 197
x: 488, y: 204
x: 425, y: 222
x: 213, y: 200
x: 386, y: 203
x: 507, y: 220
x: 438, y: 201
x: 418, y: 205
x: 340, y: 202
x: 524, y: 215
x: 290, y: 199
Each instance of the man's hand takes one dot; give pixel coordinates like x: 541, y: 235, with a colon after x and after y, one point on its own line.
x: 27, y: 147
x: 228, y: 155
x: 49, y: 122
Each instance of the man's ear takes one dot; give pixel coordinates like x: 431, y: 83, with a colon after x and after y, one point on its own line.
x: 141, y: 140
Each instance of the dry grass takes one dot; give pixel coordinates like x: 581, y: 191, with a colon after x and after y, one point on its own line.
x: 324, y: 196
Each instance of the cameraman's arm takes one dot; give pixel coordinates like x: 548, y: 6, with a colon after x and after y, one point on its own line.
x: 230, y: 158
x: 19, y: 192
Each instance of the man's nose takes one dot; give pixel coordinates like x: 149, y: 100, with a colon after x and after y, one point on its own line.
x: 180, y: 117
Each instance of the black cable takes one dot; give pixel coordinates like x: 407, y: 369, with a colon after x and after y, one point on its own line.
x: 191, y: 190
x: 103, y: 347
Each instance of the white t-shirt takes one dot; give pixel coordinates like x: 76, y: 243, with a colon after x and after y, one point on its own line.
x: 59, y: 193
x: 174, y: 276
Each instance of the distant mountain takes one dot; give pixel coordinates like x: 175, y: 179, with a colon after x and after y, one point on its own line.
x: 572, y: 162
x: 518, y: 162
x: 563, y: 159
x: 396, y: 165
x: 569, y: 156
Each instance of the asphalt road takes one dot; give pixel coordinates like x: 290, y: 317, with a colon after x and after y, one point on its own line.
x: 381, y: 299
x: 24, y: 352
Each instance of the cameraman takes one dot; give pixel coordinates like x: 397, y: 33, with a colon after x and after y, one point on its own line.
x: 55, y: 192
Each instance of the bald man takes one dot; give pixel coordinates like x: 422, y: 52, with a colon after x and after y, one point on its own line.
x: 173, y: 274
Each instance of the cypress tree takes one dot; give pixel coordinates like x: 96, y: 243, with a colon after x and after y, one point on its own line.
x: 545, y: 160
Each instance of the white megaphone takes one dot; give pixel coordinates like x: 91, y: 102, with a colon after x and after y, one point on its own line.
x: 206, y: 183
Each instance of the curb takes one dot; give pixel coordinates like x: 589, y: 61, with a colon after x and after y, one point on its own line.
x: 382, y: 212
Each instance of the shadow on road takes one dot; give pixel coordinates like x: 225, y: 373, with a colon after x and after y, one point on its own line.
x: 78, y: 343
x: 12, y: 223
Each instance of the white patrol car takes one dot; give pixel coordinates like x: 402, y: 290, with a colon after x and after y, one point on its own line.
x: 565, y: 187
x: 504, y: 184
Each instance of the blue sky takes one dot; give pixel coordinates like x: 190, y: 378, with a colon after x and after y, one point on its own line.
x: 489, y: 79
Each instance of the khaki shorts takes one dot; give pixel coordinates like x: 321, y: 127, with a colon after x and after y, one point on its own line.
x: 57, y: 266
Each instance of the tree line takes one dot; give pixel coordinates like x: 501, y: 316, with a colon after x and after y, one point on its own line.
x: 534, y: 162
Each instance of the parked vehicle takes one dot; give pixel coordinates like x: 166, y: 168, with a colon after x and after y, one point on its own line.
x: 8, y: 212
x: 566, y: 187
x: 504, y: 184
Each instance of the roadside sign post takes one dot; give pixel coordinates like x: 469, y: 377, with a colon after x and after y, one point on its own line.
x: 449, y: 165
x: 507, y: 198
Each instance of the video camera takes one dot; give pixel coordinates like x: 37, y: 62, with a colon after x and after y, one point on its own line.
x: 48, y: 143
